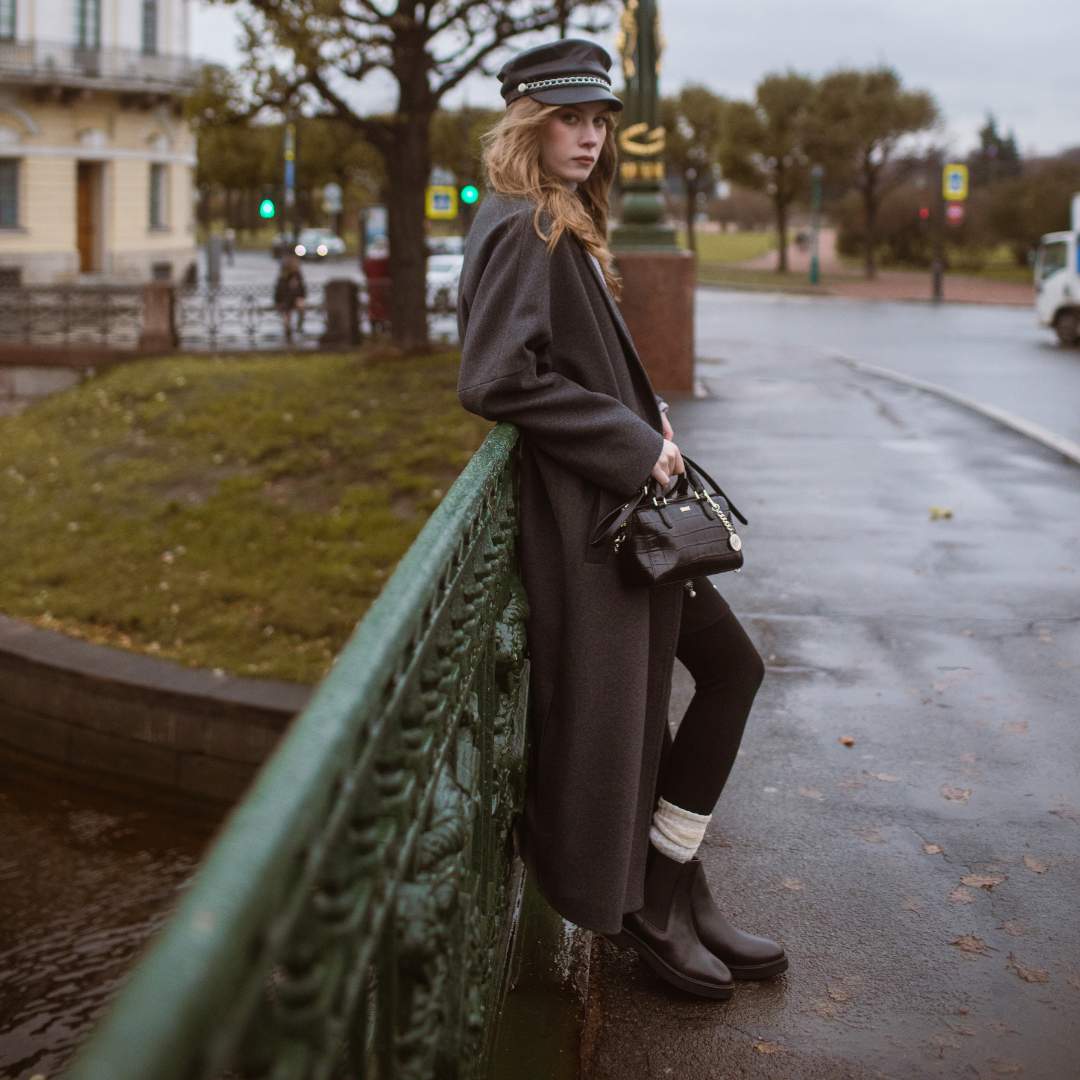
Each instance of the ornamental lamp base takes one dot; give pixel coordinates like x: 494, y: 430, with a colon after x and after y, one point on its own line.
x: 658, y: 306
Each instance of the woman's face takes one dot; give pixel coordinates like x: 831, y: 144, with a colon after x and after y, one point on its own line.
x: 571, y: 139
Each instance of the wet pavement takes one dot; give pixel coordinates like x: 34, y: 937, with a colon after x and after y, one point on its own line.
x: 923, y: 878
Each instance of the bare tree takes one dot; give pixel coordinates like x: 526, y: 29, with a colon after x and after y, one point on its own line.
x: 314, y: 53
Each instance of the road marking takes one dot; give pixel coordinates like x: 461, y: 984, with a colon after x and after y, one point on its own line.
x: 1050, y: 439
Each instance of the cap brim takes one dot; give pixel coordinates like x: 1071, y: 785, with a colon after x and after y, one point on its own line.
x: 576, y: 95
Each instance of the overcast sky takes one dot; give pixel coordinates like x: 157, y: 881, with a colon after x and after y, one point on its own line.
x: 1020, y: 60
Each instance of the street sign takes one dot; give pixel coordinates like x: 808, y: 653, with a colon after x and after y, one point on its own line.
x: 954, y: 213
x: 331, y: 198
x: 954, y: 182
x: 441, y: 201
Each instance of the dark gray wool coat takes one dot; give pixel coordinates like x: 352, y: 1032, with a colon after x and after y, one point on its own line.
x: 544, y: 347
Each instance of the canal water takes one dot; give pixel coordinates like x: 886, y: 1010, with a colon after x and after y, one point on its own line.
x: 86, y: 878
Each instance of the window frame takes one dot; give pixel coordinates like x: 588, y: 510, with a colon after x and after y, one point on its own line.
x: 15, y: 167
x: 83, y: 10
x: 158, y: 197
x: 8, y: 17
x: 150, y: 26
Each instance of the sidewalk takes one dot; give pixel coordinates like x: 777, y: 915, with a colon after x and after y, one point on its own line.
x: 839, y: 279
x: 924, y: 878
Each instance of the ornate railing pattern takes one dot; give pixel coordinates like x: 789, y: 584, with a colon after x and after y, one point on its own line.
x: 70, y: 315
x: 235, y: 317
x: 352, y: 918
x: 60, y: 61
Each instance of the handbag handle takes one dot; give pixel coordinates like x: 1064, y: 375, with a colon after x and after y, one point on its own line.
x: 614, y: 519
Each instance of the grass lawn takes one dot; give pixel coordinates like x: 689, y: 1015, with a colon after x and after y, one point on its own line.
x: 226, y: 512
x: 737, y: 277
x: 730, y: 247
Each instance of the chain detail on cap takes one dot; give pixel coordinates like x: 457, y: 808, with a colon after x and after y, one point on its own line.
x: 568, y: 80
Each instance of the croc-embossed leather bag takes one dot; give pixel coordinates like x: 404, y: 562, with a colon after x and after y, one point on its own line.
x: 673, y: 535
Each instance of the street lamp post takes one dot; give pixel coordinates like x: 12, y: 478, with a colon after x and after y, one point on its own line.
x: 658, y: 276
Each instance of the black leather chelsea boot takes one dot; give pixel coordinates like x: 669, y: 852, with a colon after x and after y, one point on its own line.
x: 746, y: 955
x: 664, y: 936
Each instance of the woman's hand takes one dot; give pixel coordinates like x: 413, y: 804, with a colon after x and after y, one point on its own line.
x: 668, y: 433
x: 668, y: 464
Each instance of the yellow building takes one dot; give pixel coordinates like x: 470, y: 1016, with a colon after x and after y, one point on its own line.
x: 96, y: 162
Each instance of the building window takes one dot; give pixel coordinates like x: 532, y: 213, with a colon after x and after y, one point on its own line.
x: 9, y: 194
x: 149, y: 26
x: 158, y: 195
x: 88, y: 24
x: 7, y: 20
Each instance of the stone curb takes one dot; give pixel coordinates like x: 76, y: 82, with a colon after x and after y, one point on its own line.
x: 1049, y: 439
x: 127, y: 721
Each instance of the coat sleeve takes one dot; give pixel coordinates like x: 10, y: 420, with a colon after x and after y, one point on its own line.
x: 506, y: 371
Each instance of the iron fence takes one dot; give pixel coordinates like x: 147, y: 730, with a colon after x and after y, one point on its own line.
x: 59, y: 61
x: 71, y: 315
x: 354, y: 918
x: 238, y: 317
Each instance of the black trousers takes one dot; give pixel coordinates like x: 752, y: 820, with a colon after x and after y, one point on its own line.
x: 727, y: 670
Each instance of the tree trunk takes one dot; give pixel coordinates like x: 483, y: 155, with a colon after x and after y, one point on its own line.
x: 408, y: 166
x: 781, y: 234
x: 870, y: 208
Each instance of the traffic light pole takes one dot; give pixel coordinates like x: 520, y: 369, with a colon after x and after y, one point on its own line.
x: 938, y: 263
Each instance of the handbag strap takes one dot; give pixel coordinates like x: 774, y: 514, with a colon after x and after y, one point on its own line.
x: 614, y: 519
x: 718, y: 490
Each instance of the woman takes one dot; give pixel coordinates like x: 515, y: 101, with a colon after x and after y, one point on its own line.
x: 289, y: 294
x: 614, y: 809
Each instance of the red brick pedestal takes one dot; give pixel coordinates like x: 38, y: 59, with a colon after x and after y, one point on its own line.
x: 658, y: 306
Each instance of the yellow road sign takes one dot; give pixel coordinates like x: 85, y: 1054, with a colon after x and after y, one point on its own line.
x: 954, y: 182
x: 441, y: 201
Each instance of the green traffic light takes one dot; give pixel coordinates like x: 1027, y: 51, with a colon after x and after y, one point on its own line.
x: 267, y: 208
x: 469, y: 194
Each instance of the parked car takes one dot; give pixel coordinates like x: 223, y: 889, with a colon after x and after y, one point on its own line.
x: 446, y: 245
x: 443, y: 275
x: 318, y: 244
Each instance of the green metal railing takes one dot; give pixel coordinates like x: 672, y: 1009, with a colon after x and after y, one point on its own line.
x: 354, y: 916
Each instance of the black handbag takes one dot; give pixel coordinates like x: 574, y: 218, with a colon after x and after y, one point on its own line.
x: 675, y: 534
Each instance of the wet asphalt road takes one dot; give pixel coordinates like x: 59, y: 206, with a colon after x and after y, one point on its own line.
x: 924, y: 879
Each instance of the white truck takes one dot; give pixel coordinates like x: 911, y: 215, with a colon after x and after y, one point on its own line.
x: 1057, y: 280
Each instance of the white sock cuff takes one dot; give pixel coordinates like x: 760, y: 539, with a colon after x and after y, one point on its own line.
x: 677, y: 832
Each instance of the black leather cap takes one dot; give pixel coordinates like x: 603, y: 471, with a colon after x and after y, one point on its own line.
x: 564, y: 72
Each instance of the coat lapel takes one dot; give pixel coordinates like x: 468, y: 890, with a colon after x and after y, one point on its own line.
x: 623, y: 329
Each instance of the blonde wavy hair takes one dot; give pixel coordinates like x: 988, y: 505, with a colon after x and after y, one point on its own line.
x: 512, y: 164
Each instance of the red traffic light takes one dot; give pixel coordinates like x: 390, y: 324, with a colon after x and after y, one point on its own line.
x: 924, y: 213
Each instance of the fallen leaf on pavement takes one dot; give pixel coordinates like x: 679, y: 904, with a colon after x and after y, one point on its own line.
x: 912, y: 903
x: 1031, y: 975
x: 956, y: 794
x: 794, y: 884
x: 960, y: 895
x: 982, y: 881
x: 1073, y: 981
x: 1036, y: 866
x: 889, y: 778
x: 1006, y: 1068
x: 939, y: 513
x: 1066, y: 812
x: 810, y: 793
x: 763, y: 1047
x: 846, y: 740
x: 1016, y: 727
x: 970, y: 944
x: 932, y: 849
x: 1013, y: 928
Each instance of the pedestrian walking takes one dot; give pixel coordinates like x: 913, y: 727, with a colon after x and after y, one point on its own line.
x: 289, y: 295
x: 615, y: 809
x: 229, y: 242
